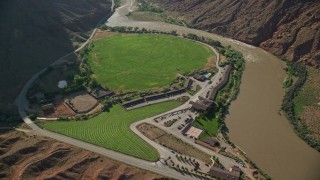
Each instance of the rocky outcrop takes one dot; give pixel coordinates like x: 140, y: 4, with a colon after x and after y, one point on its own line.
x: 33, y: 157
x: 288, y: 28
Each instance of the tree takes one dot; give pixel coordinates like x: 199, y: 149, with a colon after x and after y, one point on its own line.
x: 173, y: 32
x: 93, y: 83
x: 130, y: 28
x: 33, y: 116
x: 78, y: 80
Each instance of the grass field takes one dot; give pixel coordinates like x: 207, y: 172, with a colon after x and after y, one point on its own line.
x: 135, y: 62
x: 209, y: 123
x: 112, y: 129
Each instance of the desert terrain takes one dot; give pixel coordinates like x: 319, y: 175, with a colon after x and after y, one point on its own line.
x: 25, y: 155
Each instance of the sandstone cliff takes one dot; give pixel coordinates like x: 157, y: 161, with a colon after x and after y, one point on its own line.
x: 289, y: 28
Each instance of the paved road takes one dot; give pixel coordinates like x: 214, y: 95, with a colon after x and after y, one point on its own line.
x: 157, y: 167
x: 120, y: 19
x: 22, y: 104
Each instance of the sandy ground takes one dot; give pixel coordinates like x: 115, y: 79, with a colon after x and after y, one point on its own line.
x: 60, y: 110
x: 83, y: 102
x: 100, y: 34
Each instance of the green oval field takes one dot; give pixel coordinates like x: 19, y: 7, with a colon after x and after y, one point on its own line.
x: 144, y: 61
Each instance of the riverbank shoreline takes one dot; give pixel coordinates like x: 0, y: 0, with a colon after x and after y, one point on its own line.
x: 253, y: 120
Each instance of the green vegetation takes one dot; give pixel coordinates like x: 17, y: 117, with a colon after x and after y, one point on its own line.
x: 298, y: 97
x: 213, y: 120
x: 309, y: 93
x: 145, y: 16
x: 111, y: 129
x: 117, y: 4
x: 231, y: 90
x: 205, y: 40
x: 156, y: 14
x: 292, y: 72
x: 121, y: 61
x: 8, y: 120
x: 209, y: 123
x: 144, y: 6
x: 48, y: 81
x: 287, y: 82
x: 192, y: 92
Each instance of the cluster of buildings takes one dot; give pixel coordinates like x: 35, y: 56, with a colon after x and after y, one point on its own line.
x: 87, y: 100
x: 203, y: 104
x: 166, y: 95
x: 202, y: 77
x: 232, y: 174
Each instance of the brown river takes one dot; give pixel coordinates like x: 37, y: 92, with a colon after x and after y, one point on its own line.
x: 253, y: 119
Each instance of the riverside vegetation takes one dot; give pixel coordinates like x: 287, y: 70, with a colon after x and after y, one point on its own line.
x: 147, y: 11
x: 293, y: 104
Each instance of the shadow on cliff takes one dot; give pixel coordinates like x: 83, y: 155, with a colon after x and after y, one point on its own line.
x: 34, y: 33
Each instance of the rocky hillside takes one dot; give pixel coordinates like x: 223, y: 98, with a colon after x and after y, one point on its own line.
x: 34, y: 33
x: 289, y: 28
x: 27, y: 156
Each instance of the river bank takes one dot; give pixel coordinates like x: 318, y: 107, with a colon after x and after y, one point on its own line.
x: 253, y: 121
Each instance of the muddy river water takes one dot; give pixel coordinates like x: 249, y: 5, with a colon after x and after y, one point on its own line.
x: 253, y: 119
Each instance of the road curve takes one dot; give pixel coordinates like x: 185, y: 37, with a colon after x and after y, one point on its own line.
x: 164, y: 152
x: 22, y: 104
x: 156, y: 167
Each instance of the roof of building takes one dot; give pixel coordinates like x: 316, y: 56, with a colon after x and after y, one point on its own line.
x: 101, y: 91
x: 199, y: 77
x: 198, y: 106
x: 201, y: 104
x: 187, y: 83
x: 222, y: 81
x: 224, y: 174
x: 211, y: 141
x: 155, y: 96
x: 186, y: 128
x: 205, y: 101
x: 213, y: 93
x: 194, y: 132
x: 47, y: 106
x: 236, y: 168
x: 174, y: 92
x: 134, y: 101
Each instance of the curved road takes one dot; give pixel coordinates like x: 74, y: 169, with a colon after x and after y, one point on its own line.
x: 253, y: 117
x: 157, y: 167
x: 22, y: 104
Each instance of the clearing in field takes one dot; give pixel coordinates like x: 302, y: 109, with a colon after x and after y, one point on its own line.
x: 143, y: 61
x: 112, y: 129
